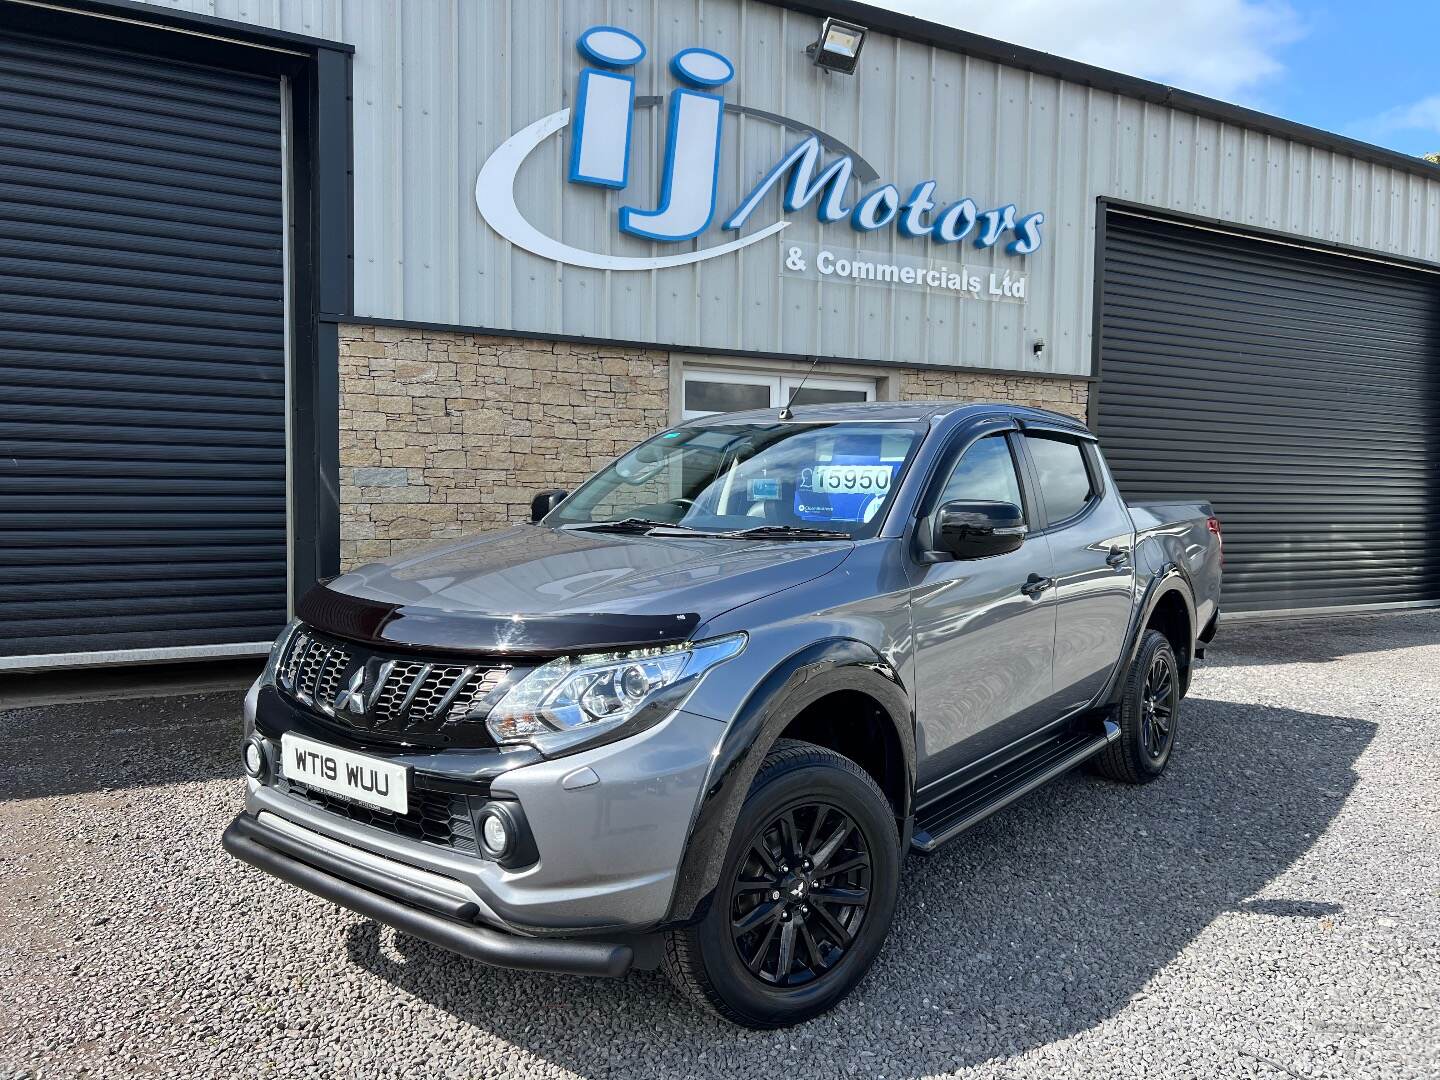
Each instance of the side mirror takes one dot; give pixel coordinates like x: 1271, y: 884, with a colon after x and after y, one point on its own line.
x: 974, y: 529
x: 544, y: 502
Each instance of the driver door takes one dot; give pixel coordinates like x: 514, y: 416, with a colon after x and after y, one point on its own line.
x: 984, y: 649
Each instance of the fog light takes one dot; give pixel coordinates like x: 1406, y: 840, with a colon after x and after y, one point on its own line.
x: 253, y: 758
x: 495, y: 835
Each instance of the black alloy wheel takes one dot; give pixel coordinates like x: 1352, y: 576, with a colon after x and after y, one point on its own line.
x: 801, y: 894
x: 1160, y: 697
x: 804, y: 899
x: 1149, y: 715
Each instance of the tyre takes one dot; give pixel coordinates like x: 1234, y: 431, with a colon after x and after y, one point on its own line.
x: 1149, y: 715
x: 805, y: 897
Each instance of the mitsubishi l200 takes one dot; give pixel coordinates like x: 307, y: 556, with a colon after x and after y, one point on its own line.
x: 694, y: 714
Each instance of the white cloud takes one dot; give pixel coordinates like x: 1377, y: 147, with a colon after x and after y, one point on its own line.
x: 1423, y: 115
x: 1223, y: 48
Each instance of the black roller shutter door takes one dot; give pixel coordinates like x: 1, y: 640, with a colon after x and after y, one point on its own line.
x: 1296, y: 390
x: 142, y: 366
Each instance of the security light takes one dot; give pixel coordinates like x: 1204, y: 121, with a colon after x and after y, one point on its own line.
x: 838, y: 47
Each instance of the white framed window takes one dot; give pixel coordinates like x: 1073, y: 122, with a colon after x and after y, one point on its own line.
x: 706, y: 391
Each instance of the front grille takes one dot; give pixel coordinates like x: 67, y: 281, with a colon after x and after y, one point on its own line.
x: 408, y: 699
x: 435, y: 817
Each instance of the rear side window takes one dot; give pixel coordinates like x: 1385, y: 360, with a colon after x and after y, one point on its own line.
x: 1064, y: 480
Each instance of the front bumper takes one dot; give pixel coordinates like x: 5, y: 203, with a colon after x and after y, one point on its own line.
x: 436, y: 915
x: 609, y: 827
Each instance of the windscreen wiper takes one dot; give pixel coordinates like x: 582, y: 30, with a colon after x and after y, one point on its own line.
x: 630, y: 525
x: 787, y: 532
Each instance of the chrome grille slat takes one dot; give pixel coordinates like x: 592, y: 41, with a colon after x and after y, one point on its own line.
x: 455, y: 688
x: 308, y: 670
x: 420, y: 677
x: 433, y: 689
x: 290, y: 664
x: 328, y: 677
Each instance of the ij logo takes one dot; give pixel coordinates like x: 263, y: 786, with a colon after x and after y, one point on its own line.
x: 602, y: 129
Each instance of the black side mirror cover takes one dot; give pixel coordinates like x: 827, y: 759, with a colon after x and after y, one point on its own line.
x: 545, y: 501
x: 977, y: 529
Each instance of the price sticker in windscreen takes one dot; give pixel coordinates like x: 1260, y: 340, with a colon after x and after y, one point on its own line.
x: 852, y: 479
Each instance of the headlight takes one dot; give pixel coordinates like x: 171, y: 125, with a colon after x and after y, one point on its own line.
x: 577, y: 699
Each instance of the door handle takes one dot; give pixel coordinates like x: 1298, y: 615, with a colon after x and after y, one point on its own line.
x: 1035, y: 585
x: 1118, y: 557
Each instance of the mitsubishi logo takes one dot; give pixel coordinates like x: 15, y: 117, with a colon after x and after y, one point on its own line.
x: 352, y: 698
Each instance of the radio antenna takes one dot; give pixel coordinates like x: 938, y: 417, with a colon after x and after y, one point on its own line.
x: 785, y: 413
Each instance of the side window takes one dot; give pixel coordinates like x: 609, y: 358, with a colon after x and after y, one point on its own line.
x: 986, y: 471
x: 1064, y: 480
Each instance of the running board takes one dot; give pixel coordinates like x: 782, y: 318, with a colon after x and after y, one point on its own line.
x: 977, y: 800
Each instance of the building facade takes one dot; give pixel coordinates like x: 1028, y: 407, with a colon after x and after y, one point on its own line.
x: 293, y: 284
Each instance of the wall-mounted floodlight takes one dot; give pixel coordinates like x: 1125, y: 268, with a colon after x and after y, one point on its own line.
x: 838, y: 47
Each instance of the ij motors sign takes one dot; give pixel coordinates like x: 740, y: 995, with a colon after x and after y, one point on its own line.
x: 811, y: 174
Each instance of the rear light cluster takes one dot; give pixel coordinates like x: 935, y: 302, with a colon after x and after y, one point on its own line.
x: 1214, y: 526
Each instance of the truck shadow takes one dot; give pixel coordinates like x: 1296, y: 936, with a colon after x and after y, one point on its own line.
x: 97, y: 745
x: 1034, y: 926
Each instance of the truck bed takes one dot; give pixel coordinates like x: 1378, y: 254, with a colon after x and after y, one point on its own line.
x: 1180, y: 532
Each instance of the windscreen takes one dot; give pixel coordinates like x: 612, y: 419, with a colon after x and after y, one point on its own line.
x: 833, y: 476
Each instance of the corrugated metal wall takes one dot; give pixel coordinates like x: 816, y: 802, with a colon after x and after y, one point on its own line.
x: 440, y: 83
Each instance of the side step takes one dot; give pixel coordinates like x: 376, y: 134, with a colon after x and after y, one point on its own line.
x: 977, y: 800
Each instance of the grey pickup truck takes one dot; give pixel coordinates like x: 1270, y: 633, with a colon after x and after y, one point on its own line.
x: 693, y: 714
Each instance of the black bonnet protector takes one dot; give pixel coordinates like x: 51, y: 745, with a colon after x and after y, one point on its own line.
x: 520, y: 635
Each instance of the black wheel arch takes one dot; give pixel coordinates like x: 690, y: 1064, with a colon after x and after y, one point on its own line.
x: 832, y: 666
x: 1172, y: 580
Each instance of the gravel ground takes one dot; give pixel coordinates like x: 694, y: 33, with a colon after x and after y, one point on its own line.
x: 1271, y: 908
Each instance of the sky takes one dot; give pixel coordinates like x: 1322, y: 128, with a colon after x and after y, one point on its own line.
x: 1369, y: 69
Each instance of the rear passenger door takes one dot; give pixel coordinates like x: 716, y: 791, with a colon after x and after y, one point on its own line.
x: 1091, y: 540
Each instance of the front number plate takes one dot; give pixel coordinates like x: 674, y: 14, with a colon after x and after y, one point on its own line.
x: 359, y: 777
